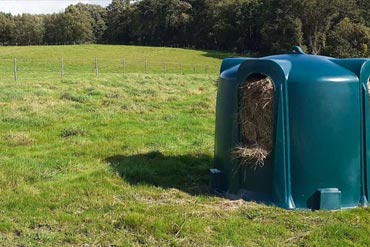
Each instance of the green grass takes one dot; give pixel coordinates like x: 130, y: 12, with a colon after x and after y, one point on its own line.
x: 122, y: 160
x: 81, y: 59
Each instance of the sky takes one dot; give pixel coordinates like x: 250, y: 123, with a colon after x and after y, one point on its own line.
x: 42, y: 6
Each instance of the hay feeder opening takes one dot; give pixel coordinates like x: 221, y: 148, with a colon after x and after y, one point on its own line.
x: 256, y: 118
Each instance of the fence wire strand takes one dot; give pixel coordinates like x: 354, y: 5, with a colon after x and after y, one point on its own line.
x: 65, y: 66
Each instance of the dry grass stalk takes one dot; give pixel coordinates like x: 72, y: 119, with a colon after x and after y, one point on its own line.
x: 256, y: 121
x: 19, y: 139
x: 251, y: 155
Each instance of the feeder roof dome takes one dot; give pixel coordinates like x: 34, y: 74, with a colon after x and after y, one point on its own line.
x: 304, y: 68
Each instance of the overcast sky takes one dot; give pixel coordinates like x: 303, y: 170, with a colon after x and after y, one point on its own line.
x: 42, y: 6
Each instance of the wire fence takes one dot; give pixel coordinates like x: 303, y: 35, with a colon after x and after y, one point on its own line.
x: 180, y: 46
x: 69, y: 66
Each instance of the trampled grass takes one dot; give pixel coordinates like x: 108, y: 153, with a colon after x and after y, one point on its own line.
x: 122, y: 160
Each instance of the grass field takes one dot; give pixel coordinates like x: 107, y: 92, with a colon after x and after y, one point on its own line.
x: 122, y: 160
x: 81, y: 60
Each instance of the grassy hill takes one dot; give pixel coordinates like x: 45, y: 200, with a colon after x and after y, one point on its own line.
x: 81, y: 59
x: 122, y: 160
x: 111, y: 52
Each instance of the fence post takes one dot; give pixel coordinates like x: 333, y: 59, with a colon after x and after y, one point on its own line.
x: 146, y: 66
x: 15, y: 69
x: 62, y: 69
x: 165, y: 67
x: 124, y: 66
x: 96, y: 67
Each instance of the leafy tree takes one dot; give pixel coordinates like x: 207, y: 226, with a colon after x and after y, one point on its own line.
x: 52, y: 34
x: 318, y: 19
x: 79, y: 25
x: 282, y: 26
x: 348, y: 39
x: 7, y: 26
x: 237, y: 21
x: 71, y: 26
x: 363, y: 7
x: 97, y: 16
x: 200, y: 32
x: 28, y: 29
x: 118, y: 20
x: 159, y: 22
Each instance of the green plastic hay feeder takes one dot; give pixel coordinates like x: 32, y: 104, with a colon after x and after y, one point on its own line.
x: 321, y: 139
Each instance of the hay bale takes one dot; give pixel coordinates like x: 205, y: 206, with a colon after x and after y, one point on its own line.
x: 256, y: 121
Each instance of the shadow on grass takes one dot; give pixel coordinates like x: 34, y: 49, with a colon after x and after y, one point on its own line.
x: 188, y: 173
x: 218, y: 55
x: 222, y: 55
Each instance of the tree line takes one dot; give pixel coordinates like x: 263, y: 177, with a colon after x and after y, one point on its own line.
x: 339, y: 28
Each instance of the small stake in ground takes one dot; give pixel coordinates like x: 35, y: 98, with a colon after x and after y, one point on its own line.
x: 15, y: 69
x: 124, y: 66
x: 62, y: 69
x: 96, y: 67
x: 165, y: 67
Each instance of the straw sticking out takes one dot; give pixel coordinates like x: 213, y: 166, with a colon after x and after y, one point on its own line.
x: 256, y: 121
